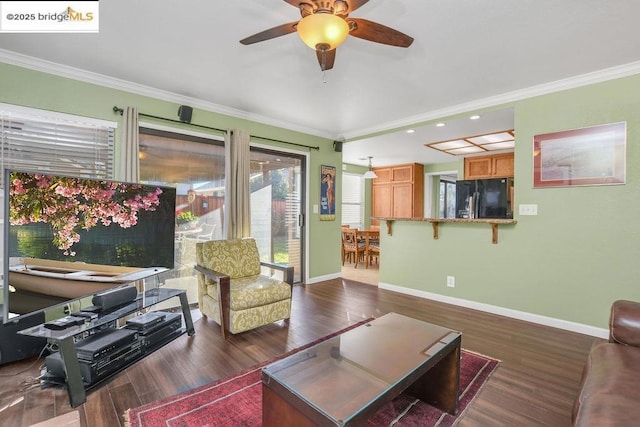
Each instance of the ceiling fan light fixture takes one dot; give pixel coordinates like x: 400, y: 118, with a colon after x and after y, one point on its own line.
x: 323, y: 29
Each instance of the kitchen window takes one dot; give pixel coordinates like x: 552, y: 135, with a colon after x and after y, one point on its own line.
x: 352, y: 200
x: 447, y: 198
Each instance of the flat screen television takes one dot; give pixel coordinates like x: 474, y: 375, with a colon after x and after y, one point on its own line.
x: 66, y: 238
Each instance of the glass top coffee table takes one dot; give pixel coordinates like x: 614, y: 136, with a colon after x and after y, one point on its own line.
x: 346, y: 379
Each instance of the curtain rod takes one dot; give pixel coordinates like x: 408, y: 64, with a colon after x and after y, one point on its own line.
x: 120, y: 111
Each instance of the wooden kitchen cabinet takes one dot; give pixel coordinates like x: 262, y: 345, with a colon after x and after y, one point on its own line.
x: 398, y: 192
x: 494, y: 166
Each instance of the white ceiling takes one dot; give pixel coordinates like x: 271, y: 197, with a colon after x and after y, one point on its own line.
x: 467, y: 54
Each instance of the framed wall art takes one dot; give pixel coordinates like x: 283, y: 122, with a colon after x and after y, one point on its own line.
x: 593, y: 155
x: 327, y: 193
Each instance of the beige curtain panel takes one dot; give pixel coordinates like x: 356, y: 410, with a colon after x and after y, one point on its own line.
x: 129, y: 151
x: 237, y: 213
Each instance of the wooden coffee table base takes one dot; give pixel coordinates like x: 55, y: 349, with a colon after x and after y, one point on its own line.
x: 439, y: 387
x: 278, y: 412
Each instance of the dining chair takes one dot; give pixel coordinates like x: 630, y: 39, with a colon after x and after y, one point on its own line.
x: 351, y: 246
x: 375, y: 238
x: 372, y: 249
x: 342, y: 251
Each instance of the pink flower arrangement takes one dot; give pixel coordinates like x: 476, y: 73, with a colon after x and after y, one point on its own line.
x: 70, y: 204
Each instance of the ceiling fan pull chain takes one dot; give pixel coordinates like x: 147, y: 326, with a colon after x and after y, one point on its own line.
x: 323, y: 54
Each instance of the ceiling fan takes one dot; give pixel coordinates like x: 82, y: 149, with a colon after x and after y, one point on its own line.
x: 326, y: 24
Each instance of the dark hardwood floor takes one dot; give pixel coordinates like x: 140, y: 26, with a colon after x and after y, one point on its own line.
x: 535, y: 384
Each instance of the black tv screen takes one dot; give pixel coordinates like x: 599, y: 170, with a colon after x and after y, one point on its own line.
x: 68, y: 237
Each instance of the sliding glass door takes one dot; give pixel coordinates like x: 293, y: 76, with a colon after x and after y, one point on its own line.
x: 196, y: 167
x: 277, y: 208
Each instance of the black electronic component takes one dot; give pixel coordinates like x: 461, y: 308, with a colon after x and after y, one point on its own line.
x: 102, y: 343
x: 115, y: 297
x: 145, y: 321
x: 64, y: 323
x: 93, y: 372
x: 85, y: 314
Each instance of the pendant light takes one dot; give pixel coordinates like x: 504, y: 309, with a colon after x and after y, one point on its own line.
x: 370, y: 174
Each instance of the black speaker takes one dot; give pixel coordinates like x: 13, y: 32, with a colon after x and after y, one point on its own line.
x: 114, y: 297
x: 185, y: 112
x: 337, y: 146
x: 17, y: 347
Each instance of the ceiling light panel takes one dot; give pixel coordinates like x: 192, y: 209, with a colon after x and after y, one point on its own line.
x: 466, y: 150
x: 491, y: 138
x: 500, y: 145
x: 502, y: 140
x: 448, y: 145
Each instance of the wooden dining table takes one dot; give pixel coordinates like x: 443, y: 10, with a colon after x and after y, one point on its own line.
x: 369, y: 232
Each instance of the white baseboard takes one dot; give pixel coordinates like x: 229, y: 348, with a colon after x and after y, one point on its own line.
x: 501, y: 311
x: 312, y: 280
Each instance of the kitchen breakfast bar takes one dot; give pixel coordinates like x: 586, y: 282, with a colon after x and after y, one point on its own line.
x: 435, y: 222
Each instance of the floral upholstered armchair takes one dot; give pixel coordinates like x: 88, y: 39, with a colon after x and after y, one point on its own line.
x: 233, y: 292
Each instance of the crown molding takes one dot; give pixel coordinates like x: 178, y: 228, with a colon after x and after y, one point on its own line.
x: 60, y: 70
x: 493, y: 101
x: 36, y: 64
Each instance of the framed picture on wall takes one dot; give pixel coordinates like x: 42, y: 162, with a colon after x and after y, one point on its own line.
x: 588, y: 156
x: 327, y: 193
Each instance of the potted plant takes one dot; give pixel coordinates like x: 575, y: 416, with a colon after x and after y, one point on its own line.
x: 186, y: 221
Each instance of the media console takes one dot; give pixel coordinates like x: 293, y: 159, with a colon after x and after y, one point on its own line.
x: 72, y: 365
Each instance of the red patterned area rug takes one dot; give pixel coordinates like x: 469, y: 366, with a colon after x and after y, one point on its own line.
x: 237, y: 400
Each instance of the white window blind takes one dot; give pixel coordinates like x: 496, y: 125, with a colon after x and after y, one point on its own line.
x: 37, y: 140
x: 352, y: 199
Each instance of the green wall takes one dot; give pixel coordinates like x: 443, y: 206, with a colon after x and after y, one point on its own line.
x: 29, y: 88
x: 572, y: 260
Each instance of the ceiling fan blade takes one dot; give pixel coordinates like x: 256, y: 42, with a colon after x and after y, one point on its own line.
x: 295, y: 3
x: 355, y: 4
x: 326, y: 59
x: 372, y: 31
x: 271, y: 33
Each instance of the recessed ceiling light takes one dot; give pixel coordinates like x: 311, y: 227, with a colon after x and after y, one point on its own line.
x: 440, y: 124
x: 474, y: 117
x: 410, y: 130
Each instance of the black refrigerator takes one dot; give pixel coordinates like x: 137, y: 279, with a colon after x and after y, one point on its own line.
x: 484, y: 198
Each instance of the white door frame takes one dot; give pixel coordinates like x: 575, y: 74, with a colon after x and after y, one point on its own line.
x: 428, y: 190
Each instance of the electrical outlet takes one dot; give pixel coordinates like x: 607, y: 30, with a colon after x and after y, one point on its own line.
x: 451, y: 282
x: 528, y: 209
